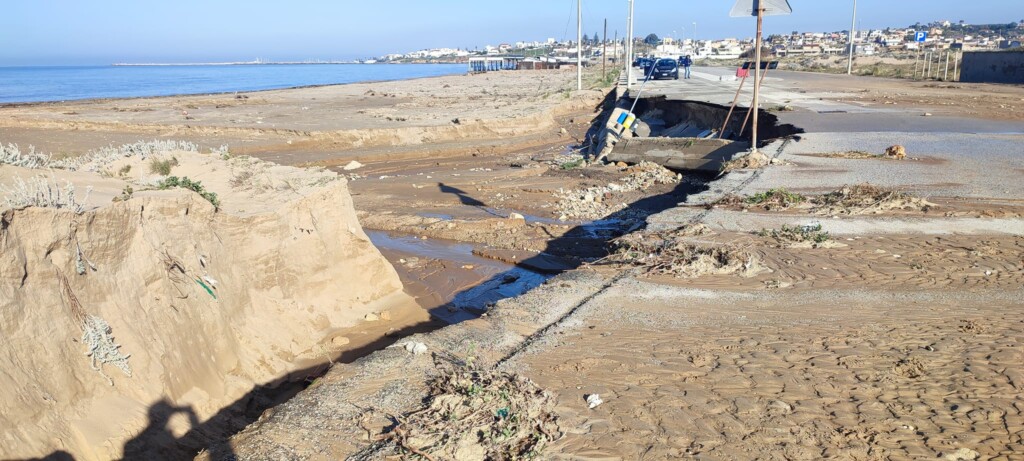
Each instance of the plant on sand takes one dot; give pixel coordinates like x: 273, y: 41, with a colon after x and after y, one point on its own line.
x: 195, y: 186
x: 867, y: 198
x: 669, y: 253
x: 573, y: 164
x: 474, y: 413
x: 771, y: 199
x: 101, y: 347
x: 162, y: 167
x: 12, y: 155
x: 38, y: 191
x: 791, y: 235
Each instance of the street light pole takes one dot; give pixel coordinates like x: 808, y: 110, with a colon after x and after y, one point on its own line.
x: 579, y: 44
x: 629, y: 47
x: 853, y: 25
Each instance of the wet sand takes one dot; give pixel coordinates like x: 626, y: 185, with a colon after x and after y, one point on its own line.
x: 902, y: 343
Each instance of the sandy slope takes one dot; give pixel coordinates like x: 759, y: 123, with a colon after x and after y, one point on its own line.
x: 285, y: 261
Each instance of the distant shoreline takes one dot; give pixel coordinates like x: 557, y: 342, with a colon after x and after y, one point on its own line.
x: 216, y: 80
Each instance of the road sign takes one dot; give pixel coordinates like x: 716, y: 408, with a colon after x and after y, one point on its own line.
x: 750, y: 7
x: 764, y: 65
x: 920, y: 36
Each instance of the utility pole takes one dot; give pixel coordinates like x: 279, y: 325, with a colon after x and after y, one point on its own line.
x: 757, y: 70
x: 579, y: 45
x: 629, y: 47
x: 853, y: 25
x: 604, y: 50
x: 615, y: 44
x: 695, y: 33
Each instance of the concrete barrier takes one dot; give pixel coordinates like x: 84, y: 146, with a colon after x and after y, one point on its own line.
x: 993, y: 67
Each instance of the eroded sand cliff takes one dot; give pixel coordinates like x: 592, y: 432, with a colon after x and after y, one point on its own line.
x: 202, y: 304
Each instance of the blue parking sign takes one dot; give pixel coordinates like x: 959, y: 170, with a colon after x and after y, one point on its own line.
x: 920, y: 36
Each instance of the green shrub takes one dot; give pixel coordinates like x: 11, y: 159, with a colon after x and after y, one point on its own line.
x: 780, y: 197
x: 793, y: 234
x: 572, y: 165
x: 194, y: 186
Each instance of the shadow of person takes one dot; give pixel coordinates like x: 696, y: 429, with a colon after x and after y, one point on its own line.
x: 157, y: 441
x: 60, y: 455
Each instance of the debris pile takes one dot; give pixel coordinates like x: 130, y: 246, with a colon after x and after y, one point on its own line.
x: 867, y: 198
x: 473, y: 413
x: 597, y: 202
x: 771, y: 199
x: 669, y: 253
x: 808, y: 236
x: 750, y: 161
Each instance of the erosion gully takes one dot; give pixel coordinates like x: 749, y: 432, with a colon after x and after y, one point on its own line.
x: 450, y: 279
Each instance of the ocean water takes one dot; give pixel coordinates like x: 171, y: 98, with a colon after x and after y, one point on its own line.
x: 35, y: 84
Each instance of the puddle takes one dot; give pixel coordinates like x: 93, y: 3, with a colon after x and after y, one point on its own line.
x: 441, y: 216
x: 447, y: 279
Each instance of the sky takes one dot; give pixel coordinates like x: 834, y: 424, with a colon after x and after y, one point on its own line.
x: 98, y: 32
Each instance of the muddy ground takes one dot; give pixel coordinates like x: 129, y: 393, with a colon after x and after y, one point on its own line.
x: 899, y: 342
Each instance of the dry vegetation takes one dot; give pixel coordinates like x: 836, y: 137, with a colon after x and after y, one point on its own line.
x: 672, y: 253
x: 857, y: 199
x: 867, y: 198
x: 473, y: 413
x: 810, y: 236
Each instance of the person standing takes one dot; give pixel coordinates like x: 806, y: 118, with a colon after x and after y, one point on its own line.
x: 686, y: 62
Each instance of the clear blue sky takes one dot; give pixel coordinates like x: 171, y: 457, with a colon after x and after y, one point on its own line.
x: 54, y: 32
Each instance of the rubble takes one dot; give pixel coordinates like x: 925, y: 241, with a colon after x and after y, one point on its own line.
x: 597, y: 202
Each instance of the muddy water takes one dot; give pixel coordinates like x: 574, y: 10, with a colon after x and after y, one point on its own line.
x: 446, y: 277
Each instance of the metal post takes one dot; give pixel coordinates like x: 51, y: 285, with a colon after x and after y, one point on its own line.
x: 629, y: 47
x: 849, y: 63
x: 579, y: 44
x: 917, y: 60
x: 695, y: 34
x: 604, y: 51
x: 928, y: 58
x: 945, y: 74
x: 757, y: 81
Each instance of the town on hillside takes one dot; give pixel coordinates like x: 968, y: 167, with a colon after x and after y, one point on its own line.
x: 939, y: 35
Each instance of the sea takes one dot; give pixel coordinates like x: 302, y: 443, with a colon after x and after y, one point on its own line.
x: 37, y: 84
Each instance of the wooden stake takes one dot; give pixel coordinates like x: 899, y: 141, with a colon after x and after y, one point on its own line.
x: 731, y: 108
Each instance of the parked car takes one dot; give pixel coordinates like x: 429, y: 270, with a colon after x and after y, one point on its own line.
x: 663, y: 68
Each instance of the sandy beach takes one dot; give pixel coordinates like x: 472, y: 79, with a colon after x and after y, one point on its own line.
x: 778, y: 312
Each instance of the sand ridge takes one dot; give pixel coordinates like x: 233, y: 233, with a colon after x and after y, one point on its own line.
x: 204, y: 304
